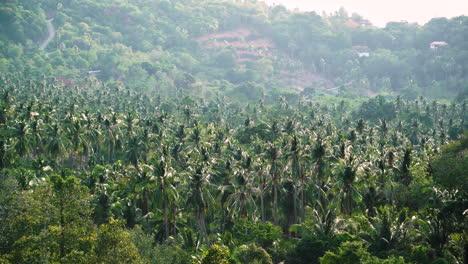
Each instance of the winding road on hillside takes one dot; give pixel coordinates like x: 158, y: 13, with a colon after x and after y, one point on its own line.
x: 51, y: 36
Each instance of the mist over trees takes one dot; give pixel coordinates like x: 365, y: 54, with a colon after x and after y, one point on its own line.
x: 186, y: 131
x: 152, y: 44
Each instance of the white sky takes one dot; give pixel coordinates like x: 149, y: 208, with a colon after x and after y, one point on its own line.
x: 379, y: 12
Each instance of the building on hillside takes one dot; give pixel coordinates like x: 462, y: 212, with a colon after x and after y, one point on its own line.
x: 438, y: 44
x: 365, y: 23
x: 362, y: 51
x: 352, y: 24
x: 355, y: 23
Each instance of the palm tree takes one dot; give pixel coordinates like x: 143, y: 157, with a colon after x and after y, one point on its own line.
x: 187, y: 115
x: 347, y: 191
x: 144, y: 182
x: 242, y: 200
x: 103, y: 201
x: 2, y: 154
x: 93, y: 136
x: 196, y: 135
x: 273, y: 154
x: 274, y: 130
x: 80, y: 142
x: 166, y: 193
x: 135, y: 149
x: 289, y: 203
x: 324, y: 220
x: 436, y: 230
x: 111, y: 136
x: 226, y: 189
x: 129, y: 123
x: 372, y: 199
x: 37, y: 136
x: 388, y: 230
x: 360, y: 125
x: 180, y: 133
x: 289, y: 127
x: 23, y: 142
x: 405, y: 174
x: 199, y: 197
x: 57, y: 142
x: 296, y: 157
x: 263, y: 185
x: 318, y: 154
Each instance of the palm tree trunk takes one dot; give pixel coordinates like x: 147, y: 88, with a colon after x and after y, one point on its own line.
x: 201, y: 223
x: 86, y: 161
x: 175, y: 220
x: 262, y: 207
x: 109, y: 153
x: 166, y: 222
x: 71, y: 161
x: 224, y: 218
x: 295, y: 205
x: 275, y: 204
x: 243, y: 211
x: 302, y: 202
x: 82, y: 159
x: 112, y: 154
x: 145, y: 203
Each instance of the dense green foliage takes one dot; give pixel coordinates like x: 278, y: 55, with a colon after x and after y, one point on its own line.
x: 450, y: 167
x: 300, y: 183
x: 185, y: 131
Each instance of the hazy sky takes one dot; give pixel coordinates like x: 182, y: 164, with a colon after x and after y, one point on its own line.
x: 382, y: 11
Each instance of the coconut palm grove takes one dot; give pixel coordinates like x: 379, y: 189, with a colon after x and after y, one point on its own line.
x: 230, y: 132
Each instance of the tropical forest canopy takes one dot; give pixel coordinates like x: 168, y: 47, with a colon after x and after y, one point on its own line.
x: 185, y: 131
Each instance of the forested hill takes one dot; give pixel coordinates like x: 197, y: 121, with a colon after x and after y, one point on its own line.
x: 243, y: 48
x: 229, y: 132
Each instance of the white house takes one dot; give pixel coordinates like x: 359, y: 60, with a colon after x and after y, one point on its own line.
x: 437, y: 44
x: 362, y: 51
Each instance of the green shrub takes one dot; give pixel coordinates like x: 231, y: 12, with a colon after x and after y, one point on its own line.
x: 217, y: 254
x: 252, y: 254
x: 262, y: 234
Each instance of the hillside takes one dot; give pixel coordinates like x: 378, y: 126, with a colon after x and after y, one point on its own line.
x: 229, y: 132
x: 157, y: 43
x: 252, y: 50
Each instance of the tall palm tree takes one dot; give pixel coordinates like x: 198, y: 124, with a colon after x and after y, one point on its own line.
x: 346, y: 189
x: 58, y: 142
x: 36, y: 133
x: 23, y: 142
x: 324, y: 220
x: 199, y: 197
x: 129, y: 121
x: 80, y: 143
x: 2, y: 154
x: 296, y: 158
x: 166, y: 193
x: 196, y: 135
x: 135, y: 149
x: 405, y: 174
x: 318, y: 155
x: 242, y: 200
x: 111, y: 136
x: 263, y: 184
x: 144, y: 182
x: 388, y: 230
x: 272, y: 155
